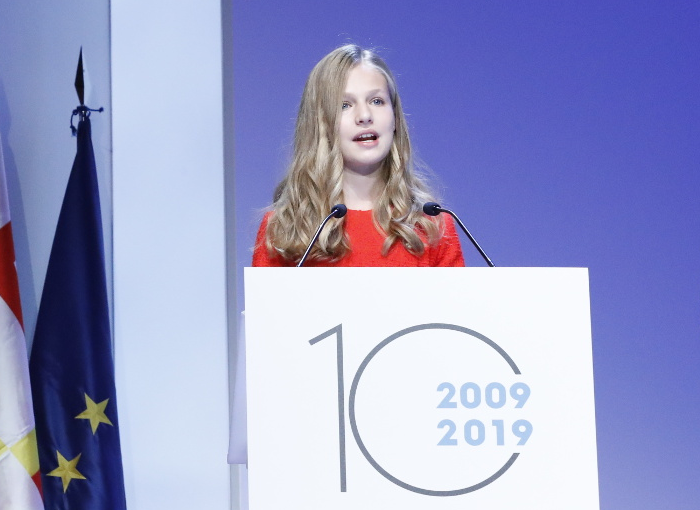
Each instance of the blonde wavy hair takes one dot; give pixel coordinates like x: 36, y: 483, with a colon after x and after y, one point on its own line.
x: 314, y: 180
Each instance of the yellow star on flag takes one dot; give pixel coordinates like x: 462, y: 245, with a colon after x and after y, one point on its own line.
x: 95, y: 413
x: 67, y: 470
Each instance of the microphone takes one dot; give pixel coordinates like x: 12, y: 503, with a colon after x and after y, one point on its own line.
x: 433, y: 209
x: 338, y: 211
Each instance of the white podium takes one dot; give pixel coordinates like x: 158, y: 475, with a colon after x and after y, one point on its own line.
x: 415, y: 388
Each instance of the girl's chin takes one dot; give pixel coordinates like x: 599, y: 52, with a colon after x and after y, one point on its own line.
x: 362, y: 169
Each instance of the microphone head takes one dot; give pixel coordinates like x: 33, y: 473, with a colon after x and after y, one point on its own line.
x: 432, y: 208
x: 339, y: 210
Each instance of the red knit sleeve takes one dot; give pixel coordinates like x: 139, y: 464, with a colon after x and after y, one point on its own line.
x: 261, y: 257
x: 448, y: 252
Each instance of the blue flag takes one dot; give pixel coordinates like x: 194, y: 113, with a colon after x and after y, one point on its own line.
x: 71, y: 365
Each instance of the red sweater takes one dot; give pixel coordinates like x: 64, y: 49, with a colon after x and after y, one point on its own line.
x: 366, y: 248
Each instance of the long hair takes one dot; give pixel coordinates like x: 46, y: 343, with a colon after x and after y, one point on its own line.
x: 314, y: 179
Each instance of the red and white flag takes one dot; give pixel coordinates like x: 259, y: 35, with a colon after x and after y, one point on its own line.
x: 20, y: 485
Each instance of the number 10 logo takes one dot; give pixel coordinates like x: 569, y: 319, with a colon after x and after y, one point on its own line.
x: 470, y: 395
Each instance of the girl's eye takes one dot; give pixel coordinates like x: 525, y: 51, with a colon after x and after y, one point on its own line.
x: 346, y: 105
x: 377, y: 101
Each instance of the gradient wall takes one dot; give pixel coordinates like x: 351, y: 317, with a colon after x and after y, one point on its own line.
x: 564, y: 134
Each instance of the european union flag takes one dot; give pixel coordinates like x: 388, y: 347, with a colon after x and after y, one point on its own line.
x: 71, y: 365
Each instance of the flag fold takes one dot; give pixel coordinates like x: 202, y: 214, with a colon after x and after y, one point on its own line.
x: 71, y: 366
x: 20, y: 485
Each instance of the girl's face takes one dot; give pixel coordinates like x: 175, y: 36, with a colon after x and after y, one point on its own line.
x: 367, y: 121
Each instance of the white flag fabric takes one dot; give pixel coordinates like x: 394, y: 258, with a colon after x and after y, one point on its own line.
x: 19, y: 461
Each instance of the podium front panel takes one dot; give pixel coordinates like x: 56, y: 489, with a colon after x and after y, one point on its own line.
x: 414, y: 388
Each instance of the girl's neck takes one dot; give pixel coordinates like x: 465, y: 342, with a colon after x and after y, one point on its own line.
x: 361, y: 191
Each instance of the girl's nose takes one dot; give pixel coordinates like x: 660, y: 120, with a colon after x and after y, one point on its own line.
x: 364, y: 115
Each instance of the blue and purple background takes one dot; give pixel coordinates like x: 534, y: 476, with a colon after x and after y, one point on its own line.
x: 564, y: 134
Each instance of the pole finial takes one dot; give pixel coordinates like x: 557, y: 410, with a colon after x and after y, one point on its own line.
x: 79, y: 80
